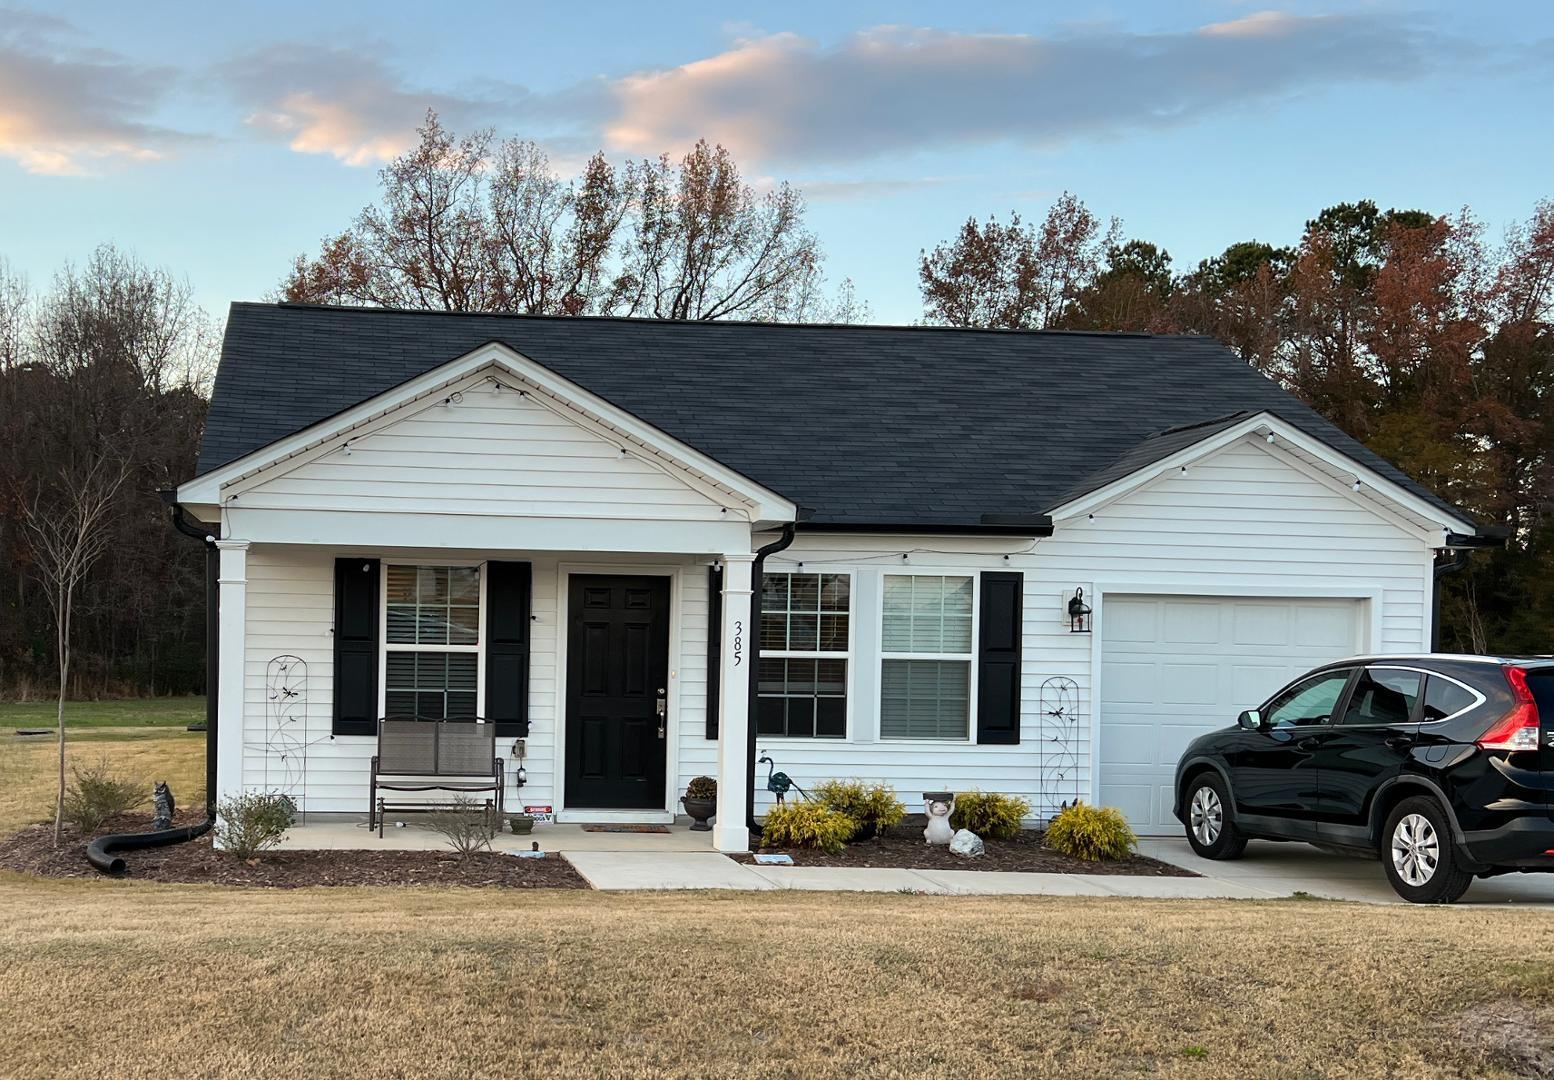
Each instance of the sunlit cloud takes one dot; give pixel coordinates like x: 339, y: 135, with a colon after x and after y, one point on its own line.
x: 785, y: 97
x: 65, y: 109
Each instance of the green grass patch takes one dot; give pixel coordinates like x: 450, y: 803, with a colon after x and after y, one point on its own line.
x: 160, y: 712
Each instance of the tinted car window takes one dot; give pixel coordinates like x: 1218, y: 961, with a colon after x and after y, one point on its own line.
x: 1443, y: 698
x: 1308, y: 702
x: 1541, y: 682
x: 1383, y: 696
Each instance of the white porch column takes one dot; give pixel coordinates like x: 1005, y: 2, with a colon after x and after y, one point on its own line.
x: 729, y: 831
x: 233, y: 579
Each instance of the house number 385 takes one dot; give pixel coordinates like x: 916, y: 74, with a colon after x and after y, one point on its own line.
x: 739, y: 642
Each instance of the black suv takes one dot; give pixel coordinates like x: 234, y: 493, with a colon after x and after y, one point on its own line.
x: 1440, y: 765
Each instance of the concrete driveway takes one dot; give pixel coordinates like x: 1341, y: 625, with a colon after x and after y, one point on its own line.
x: 1282, y: 869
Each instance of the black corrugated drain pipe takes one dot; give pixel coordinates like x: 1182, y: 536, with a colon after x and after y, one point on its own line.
x: 780, y: 544
x: 102, y: 852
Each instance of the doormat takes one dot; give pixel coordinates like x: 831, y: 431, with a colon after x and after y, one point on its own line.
x: 626, y: 828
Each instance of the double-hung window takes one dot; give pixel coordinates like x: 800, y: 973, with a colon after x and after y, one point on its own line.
x: 431, y: 642
x: 805, y: 633
x: 925, y: 675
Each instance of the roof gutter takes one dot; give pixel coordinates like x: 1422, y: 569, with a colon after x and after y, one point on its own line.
x: 987, y: 525
x: 102, y: 852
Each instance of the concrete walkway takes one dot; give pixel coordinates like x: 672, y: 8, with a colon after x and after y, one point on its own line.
x: 1282, y: 869
x: 625, y: 870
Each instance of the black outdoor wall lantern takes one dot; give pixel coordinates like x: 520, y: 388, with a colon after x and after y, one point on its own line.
x: 1078, y: 613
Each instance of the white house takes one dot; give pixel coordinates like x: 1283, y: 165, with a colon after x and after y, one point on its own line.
x: 555, y: 525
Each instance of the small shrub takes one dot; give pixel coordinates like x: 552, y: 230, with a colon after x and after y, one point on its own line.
x: 702, y: 787
x: 1091, y: 833
x: 253, y: 822
x: 807, y: 824
x: 97, y: 795
x: 873, y: 806
x: 467, y: 825
x: 989, y: 814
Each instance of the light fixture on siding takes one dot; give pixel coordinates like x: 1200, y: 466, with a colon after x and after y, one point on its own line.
x: 1078, y: 613
x: 1356, y: 483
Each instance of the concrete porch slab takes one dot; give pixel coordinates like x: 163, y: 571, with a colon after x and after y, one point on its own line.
x: 618, y: 870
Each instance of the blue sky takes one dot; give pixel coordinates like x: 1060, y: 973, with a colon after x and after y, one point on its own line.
x: 222, y: 140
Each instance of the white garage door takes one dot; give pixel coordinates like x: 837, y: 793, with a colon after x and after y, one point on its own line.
x: 1173, y: 667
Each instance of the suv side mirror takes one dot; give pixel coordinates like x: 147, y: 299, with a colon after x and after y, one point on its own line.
x: 1251, y: 720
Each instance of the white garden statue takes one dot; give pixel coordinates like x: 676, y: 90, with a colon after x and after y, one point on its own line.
x: 939, y: 805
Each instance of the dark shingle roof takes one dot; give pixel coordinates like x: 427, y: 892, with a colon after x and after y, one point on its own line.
x: 861, y: 424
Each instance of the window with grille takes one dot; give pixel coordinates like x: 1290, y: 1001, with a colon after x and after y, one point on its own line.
x: 431, y: 641
x: 805, y: 636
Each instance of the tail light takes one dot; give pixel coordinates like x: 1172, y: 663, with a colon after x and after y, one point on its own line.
x: 1518, y: 729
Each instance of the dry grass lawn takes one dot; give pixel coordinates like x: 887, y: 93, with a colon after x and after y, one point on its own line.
x: 143, y: 754
x: 103, y: 979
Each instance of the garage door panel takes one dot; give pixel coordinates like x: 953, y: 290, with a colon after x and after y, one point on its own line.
x: 1175, y: 667
x: 1134, y: 683
x: 1190, y: 623
x: 1317, y: 627
x: 1252, y: 684
x: 1188, y: 684
x: 1261, y: 624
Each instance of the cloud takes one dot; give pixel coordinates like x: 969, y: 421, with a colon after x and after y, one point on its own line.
x: 360, y: 110
x: 783, y: 97
x: 64, y: 108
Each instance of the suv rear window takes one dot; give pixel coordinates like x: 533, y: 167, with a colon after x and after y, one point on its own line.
x: 1443, y: 698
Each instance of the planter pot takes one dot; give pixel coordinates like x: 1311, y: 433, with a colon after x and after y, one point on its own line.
x: 700, y: 810
x: 521, y: 824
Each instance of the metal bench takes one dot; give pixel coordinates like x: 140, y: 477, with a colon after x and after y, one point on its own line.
x: 432, y: 755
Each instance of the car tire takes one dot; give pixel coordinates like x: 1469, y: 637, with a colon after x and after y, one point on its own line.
x: 1210, y: 830
x: 1418, y: 856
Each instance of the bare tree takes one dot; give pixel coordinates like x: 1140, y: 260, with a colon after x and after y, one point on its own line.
x: 13, y: 317
x: 466, y: 224
x: 66, y: 529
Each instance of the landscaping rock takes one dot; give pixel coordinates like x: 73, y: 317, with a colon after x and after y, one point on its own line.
x: 967, y: 843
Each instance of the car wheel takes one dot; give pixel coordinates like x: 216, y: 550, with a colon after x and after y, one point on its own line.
x: 1209, y: 829
x: 1417, y: 853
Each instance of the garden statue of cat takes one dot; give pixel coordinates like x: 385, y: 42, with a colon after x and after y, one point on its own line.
x: 164, y: 807
x: 938, y: 830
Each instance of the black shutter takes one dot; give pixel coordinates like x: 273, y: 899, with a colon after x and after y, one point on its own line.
x: 998, y: 659
x: 508, y: 589
x: 356, y: 646
x: 714, y: 647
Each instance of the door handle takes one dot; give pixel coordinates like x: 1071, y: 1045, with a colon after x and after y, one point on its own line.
x: 1308, y: 743
x: 1398, y: 742
x: 661, y: 706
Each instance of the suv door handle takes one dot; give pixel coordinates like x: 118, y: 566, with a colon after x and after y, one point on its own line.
x: 1398, y: 742
x: 1310, y: 742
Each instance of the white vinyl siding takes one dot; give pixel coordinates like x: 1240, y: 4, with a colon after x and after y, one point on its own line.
x: 490, y: 453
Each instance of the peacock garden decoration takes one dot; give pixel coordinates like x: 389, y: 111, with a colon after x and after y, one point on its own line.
x: 779, y: 783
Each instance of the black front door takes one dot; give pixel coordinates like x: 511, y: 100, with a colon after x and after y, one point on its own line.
x: 617, y: 678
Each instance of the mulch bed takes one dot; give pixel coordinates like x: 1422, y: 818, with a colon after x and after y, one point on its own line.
x: 902, y: 848
x: 32, y: 851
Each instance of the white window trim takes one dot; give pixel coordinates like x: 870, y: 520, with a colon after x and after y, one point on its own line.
x: 384, y: 648
x: 970, y: 658
x: 806, y: 654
